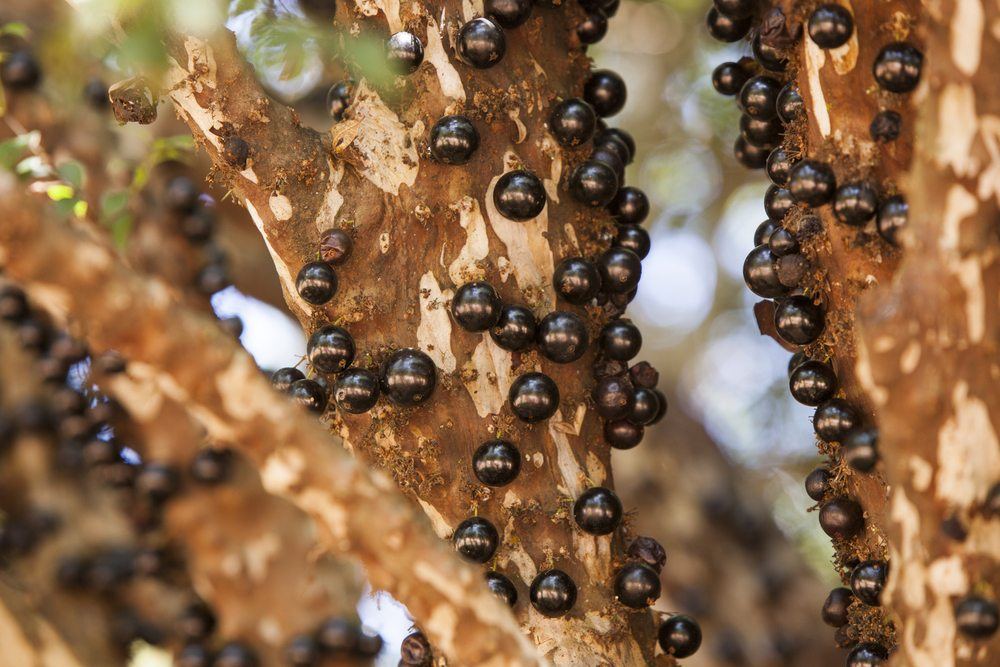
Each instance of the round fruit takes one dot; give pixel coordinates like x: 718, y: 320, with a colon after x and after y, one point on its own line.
x: 509, y: 13
x: 779, y: 166
x: 309, y: 394
x: 977, y: 617
x: 516, y: 328
x: 453, y: 140
x: 726, y: 29
x: 356, y: 390
x: 892, y: 217
x: 750, y: 156
x: 778, y: 202
x: 562, y: 337
x: 760, y: 273
x: 637, y: 585
x: 645, y: 408
x: 860, y: 448
x: 835, y: 607
x: 502, y: 587
x: 481, y: 43
x: 338, y: 98
x: 679, y: 636
x: 798, y: 320
x: 533, y: 397
x: 316, y: 283
x: 623, y: 434
x: 572, y: 122
x: 404, y: 52
x: 867, y: 655
x: 613, y: 397
x: 769, y: 57
x: 841, y: 518
x: 761, y: 132
x: 330, y: 349
x: 605, y: 91
x: 830, y: 26
x: 729, y: 77
x: 598, y: 511
x: 335, y: 246
x: 519, y: 195
x: 476, y: 306
x: 759, y: 96
x: 630, y: 206
x: 552, y: 593
x: 868, y: 580
x: 835, y: 419
x: 592, y: 28
x: 790, y: 105
x: 812, y: 382
x: 855, y: 203
x: 812, y: 182
x: 283, y: 378
x: 476, y: 539
x: 620, y: 340
x: 408, y: 377
x: 620, y: 270
x: 593, y: 183
x: 897, y: 67
x: 885, y: 126
x: 634, y: 238
x: 496, y: 463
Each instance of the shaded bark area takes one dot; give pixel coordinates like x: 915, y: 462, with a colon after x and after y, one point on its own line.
x: 930, y: 340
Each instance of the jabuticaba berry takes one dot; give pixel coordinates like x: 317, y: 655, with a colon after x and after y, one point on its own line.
x: 634, y: 238
x: 798, y: 320
x: 835, y: 419
x: 610, y: 156
x: 180, y: 195
x: 622, y: 434
x: 593, y: 183
x: 885, y: 126
x: 509, y: 13
x: 592, y: 28
x: 892, y: 217
x: 316, y: 283
x: 868, y: 580
x: 338, y: 98
x: 335, y: 246
x: 408, y: 377
x: 630, y: 206
x: 976, y: 617
x: 737, y: 9
x: 620, y: 340
x: 303, y: 651
x: 533, y: 397
x: 897, y: 67
x: 790, y: 105
x: 338, y: 636
x: 198, y: 225
x: 860, y: 448
x: 726, y: 29
x: 598, y: 511
x: 496, y: 463
x: 835, y: 606
x: 729, y: 77
x: 620, y: 270
x: 415, y: 650
x: 841, y: 518
x: 761, y: 132
x: 812, y: 383
x: 309, y: 394
x: 637, y: 585
x: 605, y: 91
x: 679, y: 636
x: 762, y: 235
x: 617, y: 135
x: 519, y: 195
x: 476, y: 306
x: 95, y: 92
x: 777, y: 202
x: 614, y: 397
x: 194, y: 655
x: 760, y: 273
x: 562, y: 337
x: 516, y: 328
x: 779, y: 165
x: 283, y: 378
x: 157, y: 482
x: 769, y: 57
x: 572, y: 122
x: 211, y: 466
x: 19, y: 70
x: 867, y: 654
x: 502, y: 587
x: 855, y: 203
x: 235, y: 654
x: 830, y: 26
x: 646, y: 407
x: 453, y: 140
x: 476, y: 539
x: 481, y: 43
x: 796, y: 360
x: 356, y: 390
x: 782, y: 243
x: 330, y: 349
x: 196, y: 621
x: 552, y: 593
x: 812, y: 183
x: 404, y: 52
x: 750, y: 156
x: 759, y: 96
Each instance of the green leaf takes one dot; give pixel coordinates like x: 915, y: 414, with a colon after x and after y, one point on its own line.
x: 113, y: 202
x: 73, y: 173
x: 120, y: 230
x: 60, y: 192
x: 15, y: 29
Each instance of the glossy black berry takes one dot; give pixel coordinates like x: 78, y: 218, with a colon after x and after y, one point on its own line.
x: 415, y: 650
x: 868, y: 580
x: 726, y: 29
x: 892, y: 217
x: 356, y: 390
x: 620, y: 270
x: 592, y: 28
x: 622, y: 434
x: 646, y: 407
x: 867, y: 654
x: 812, y: 182
x: 779, y: 165
x: 593, y: 183
x: 157, y: 482
x: 759, y: 96
x: 519, y: 195
x: 562, y: 337
x: 729, y: 77
x: 885, y: 126
x: 552, y: 593
x: 812, y: 382
x: 760, y: 273
x: 830, y: 26
x: 283, y: 378
x: 481, y: 43
x: 453, y: 140
x: 770, y: 57
x: 782, y: 243
x: 835, y: 607
x: 235, y: 655
x: 818, y: 483
x: 598, y: 511
x: 762, y: 235
x: 502, y: 587
x: 330, y: 349
x: 211, y: 466
x: 835, y: 419
x: 860, y: 448
x: 496, y: 463
x: 404, y: 52
x: 194, y: 655
x: 516, y: 328
x: 679, y: 636
x: 303, y: 651
x: 309, y: 394
x: 19, y: 70
x: 509, y: 13
x: 777, y: 202
x: 572, y: 122
x: 533, y: 397
x: 790, y: 105
x: 798, y: 320
x: 750, y: 156
x: 605, y: 91
x: 180, y: 195
x: 476, y: 539
x: 620, y: 340
x: 977, y: 617
x: 630, y: 206
x: 634, y: 238
x: 408, y: 377
x: 616, y: 135
x: 855, y: 203
x: 316, y: 283
x: 476, y: 306
x: 614, y: 397
x: 338, y: 98
x: 841, y: 518
x: 196, y: 622
x: 737, y: 9
x: 897, y: 67
x: 761, y: 132
x: 637, y: 585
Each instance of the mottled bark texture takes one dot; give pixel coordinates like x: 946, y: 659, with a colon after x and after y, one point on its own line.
x: 929, y: 338
x: 421, y: 229
x: 195, y: 363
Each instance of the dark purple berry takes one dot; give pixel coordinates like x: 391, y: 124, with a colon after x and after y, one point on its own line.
x: 761, y: 132
x: 818, y: 483
x: 897, y: 67
x: 622, y: 434
x: 841, y: 518
x: 855, y: 203
x: 830, y: 26
x: 726, y: 29
x: 750, y: 156
x: 759, y: 96
x: 812, y: 182
x: 779, y: 166
x: 620, y: 340
x: 790, y: 105
x: 835, y: 607
x: 533, y: 397
x: 309, y: 394
x: 634, y: 238
x: 977, y: 617
x: 620, y: 270
x: 408, y: 377
x: 868, y: 580
x: 236, y: 151
x: 778, y: 202
x: 338, y: 98
x: 648, y: 551
x: 476, y: 306
x: 770, y: 57
x: 283, y: 378
x: 496, y: 463
x: 509, y: 13
x: 593, y: 183
x: 812, y: 382
x: 867, y: 655
x: 335, y: 246
x: 356, y: 390
x: 592, y: 28
x: 562, y: 337
x: 598, y: 511
x: 614, y: 397
x: 737, y: 9
x: 19, y: 70
x: 783, y: 243
x: 617, y: 135
x: 519, y: 195
x: 476, y: 539
x: 679, y: 636
x: 798, y: 320
x: 502, y: 587
x: 760, y: 273
x: 835, y: 419
x: 330, y: 349
x: 316, y: 283
x: 762, y: 235
x: 196, y: 622
x: 552, y: 593
x: 453, y: 140
x: 892, y: 217
x: 572, y: 122
x: 605, y: 91
x: 303, y: 651
x: 729, y: 77
x: 645, y: 408
x: 630, y: 206
x: 235, y: 655
x: 516, y: 328
x: 481, y: 43
x: 637, y: 585
x: 404, y: 52
x: 860, y: 448
x: 885, y: 126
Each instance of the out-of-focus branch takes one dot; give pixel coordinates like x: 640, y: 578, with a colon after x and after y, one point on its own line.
x: 197, y: 364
